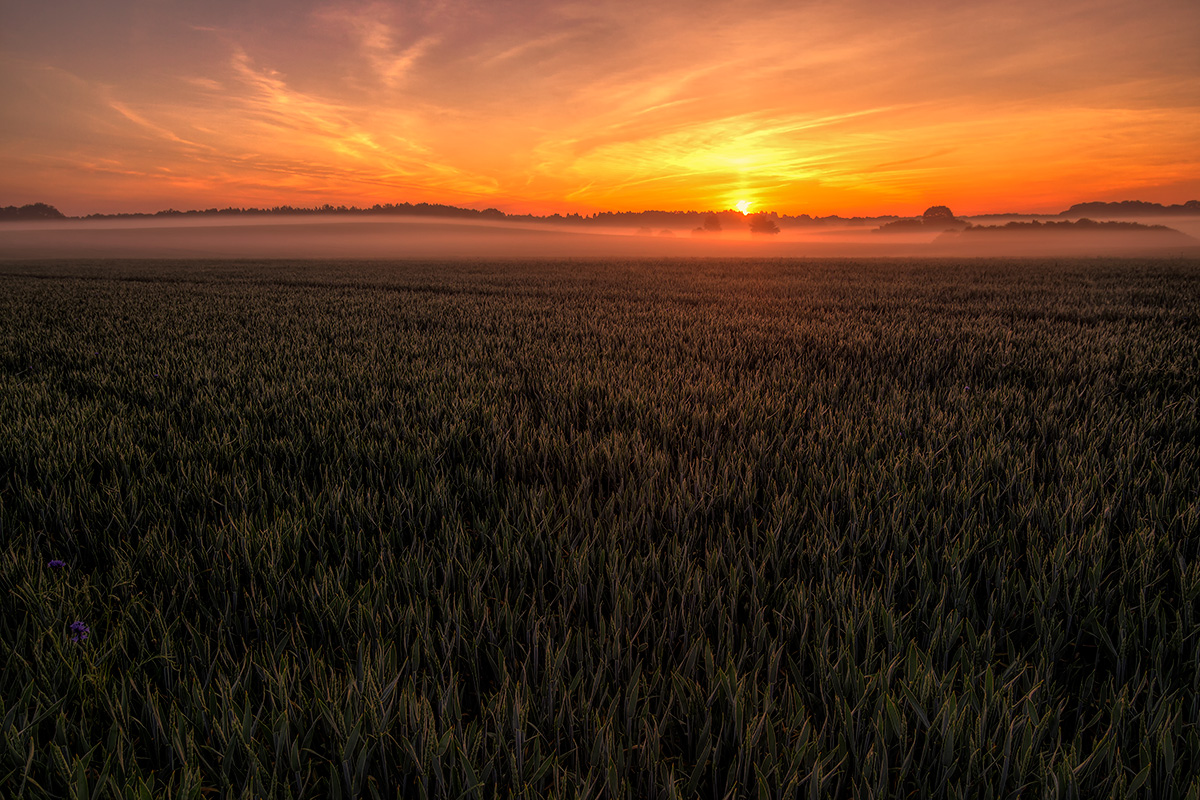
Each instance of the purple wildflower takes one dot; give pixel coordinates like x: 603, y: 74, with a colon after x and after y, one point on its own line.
x: 79, y: 631
x: 56, y: 564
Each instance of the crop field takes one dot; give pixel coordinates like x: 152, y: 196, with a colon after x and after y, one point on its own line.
x: 641, y: 529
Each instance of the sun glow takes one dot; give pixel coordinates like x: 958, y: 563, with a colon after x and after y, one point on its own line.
x: 743, y: 206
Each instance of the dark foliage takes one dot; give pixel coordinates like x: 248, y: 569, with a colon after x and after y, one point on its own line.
x: 1130, y: 208
x: 763, y: 223
x: 647, y: 530
x: 32, y: 211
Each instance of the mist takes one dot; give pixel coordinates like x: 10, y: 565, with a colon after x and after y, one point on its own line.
x: 424, y: 238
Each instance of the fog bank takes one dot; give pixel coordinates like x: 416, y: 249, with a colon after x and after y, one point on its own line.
x: 289, y: 237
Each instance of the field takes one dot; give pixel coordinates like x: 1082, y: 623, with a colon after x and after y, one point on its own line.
x: 600, y: 529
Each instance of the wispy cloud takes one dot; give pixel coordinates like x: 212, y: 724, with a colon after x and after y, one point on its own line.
x: 380, y: 44
x: 152, y: 127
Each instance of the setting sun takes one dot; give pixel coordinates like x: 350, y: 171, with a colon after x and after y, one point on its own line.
x: 743, y: 206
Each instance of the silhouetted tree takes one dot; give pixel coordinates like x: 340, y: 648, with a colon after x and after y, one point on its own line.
x: 712, y: 223
x: 31, y: 211
x: 935, y: 215
x: 763, y: 223
x: 935, y: 218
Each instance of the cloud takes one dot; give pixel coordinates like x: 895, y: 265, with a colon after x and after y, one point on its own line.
x: 157, y: 130
x: 316, y: 130
x: 379, y: 41
x: 206, y: 84
x: 612, y: 103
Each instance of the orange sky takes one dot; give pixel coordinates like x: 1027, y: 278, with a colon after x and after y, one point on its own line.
x: 850, y: 107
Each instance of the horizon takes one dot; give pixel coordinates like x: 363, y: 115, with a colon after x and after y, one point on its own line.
x: 395, y: 206
x: 446, y: 233
x: 540, y: 109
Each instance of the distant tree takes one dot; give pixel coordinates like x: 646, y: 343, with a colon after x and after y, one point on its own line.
x: 31, y: 211
x: 941, y: 218
x: 935, y: 218
x: 712, y: 223
x: 763, y: 223
x: 935, y: 215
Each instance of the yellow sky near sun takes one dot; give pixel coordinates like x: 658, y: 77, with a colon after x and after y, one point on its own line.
x: 543, y: 107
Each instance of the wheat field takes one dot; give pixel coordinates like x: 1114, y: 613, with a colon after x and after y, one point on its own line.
x: 625, y: 529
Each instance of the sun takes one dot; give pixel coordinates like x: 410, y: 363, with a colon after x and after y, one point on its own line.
x: 743, y: 206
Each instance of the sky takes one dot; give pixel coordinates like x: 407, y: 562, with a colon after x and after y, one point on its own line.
x: 851, y: 108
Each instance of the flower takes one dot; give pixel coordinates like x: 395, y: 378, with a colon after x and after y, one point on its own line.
x: 79, y: 631
x: 56, y: 564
